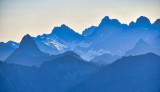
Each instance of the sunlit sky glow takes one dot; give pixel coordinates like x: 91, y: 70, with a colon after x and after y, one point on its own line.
x: 19, y: 17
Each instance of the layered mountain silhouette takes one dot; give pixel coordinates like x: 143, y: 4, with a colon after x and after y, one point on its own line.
x: 7, y: 48
x: 57, y: 75
x: 70, y: 73
x: 156, y: 45
x: 118, y: 38
x: 104, y: 59
x: 129, y: 74
x: 141, y: 47
x: 110, y: 36
x: 110, y: 57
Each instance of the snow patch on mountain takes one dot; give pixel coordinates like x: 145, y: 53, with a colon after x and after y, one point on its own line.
x: 53, y: 43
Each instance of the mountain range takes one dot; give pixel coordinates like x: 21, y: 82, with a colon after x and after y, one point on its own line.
x: 128, y: 74
x: 109, y: 37
x: 110, y: 57
x: 55, y: 75
x: 70, y: 73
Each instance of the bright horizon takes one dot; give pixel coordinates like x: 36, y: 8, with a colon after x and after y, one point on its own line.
x: 20, y: 17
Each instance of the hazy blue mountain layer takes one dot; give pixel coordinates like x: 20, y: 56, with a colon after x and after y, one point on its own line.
x: 69, y: 73
x: 7, y: 48
x: 57, y: 75
x: 110, y: 36
x: 129, y: 74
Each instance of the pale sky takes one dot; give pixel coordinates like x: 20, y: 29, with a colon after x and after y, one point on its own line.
x: 35, y: 17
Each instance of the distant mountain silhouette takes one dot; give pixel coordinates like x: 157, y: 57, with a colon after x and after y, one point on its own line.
x: 129, y: 74
x: 7, y: 48
x: 141, y: 47
x: 156, y: 44
x: 104, y: 59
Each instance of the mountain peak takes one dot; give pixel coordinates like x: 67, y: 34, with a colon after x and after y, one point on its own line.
x: 142, y: 20
x: 27, y: 36
x: 157, y: 23
x: 27, y: 53
x: 106, y: 18
x: 62, y: 28
x: 142, y: 45
x: 141, y: 41
x: 63, y: 25
x: 131, y: 23
x: 65, y: 33
x: 27, y: 43
x: 107, y: 21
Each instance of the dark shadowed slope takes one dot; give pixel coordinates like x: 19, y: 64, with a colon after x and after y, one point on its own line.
x: 56, y: 75
x: 129, y: 74
x: 7, y: 48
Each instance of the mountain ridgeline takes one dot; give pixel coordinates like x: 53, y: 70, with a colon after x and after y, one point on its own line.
x: 110, y: 57
x: 128, y: 74
x: 109, y: 37
x: 70, y: 73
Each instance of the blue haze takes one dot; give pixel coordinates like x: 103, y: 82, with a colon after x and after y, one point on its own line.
x: 111, y: 57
